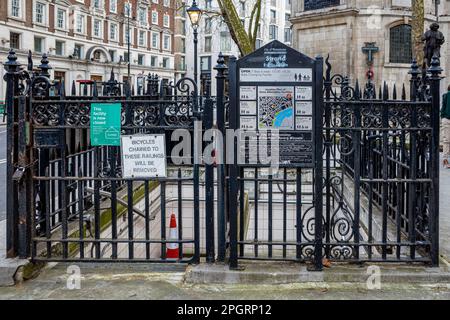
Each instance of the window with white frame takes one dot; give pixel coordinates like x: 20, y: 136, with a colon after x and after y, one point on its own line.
x: 16, y: 8
x: 153, y: 61
x: 128, y: 34
x: 167, y: 3
x: 79, y: 26
x: 113, y: 6
x: 225, y: 41
x: 59, y: 48
x: 142, y: 36
x: 141, y: 59
x: 38, y: 45
x: 39, y: 12
x: 97, y: 4
x: 97, y: 28
x: 61, y: 19
x: 166, y: 21
x: 113, y: 32
x: 142, y: 16
x: 166, y: 42
x: 128, y: 8
x: 155, y: 17
x: 155, y: 1
x: 155, y: 40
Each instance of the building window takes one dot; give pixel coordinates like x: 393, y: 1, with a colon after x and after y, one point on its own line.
x: 97, y: 4
x: 14, y: 40
x: 242, y: 4
x: 183, y: 63
x: 59, y: 48
x: 207, y: 44
x: 38, y: 45
x: 155, y: 1
x: 128, y: 35
x: 183, y: 45
x: 39, y: 12
x: 166, y: 63
x: 273, y: 32
x: 208, y: 4
x: 127, y: 9
x: 78, y: 51
x: 167, y: 3
x: 400, y: 45
x: 16, y: 9
x: 208, y: 24
x: 113, y: 6
x: 319, y: 4
x: 166, y: 21
x: 61, y: 19
x: 113, y: 55
x: 287, y: 34
x: 225, y: 41
x: 113, y: 32
x: 205, y: 64
x: 259, y: 43
x: 153, y: 61
x: 155, y: 17
x: 97, y: 28
x: 166, y: 42
x: 273, y: 16
x: 142, y: 16
x: 155, y: 40
x: 142, y: 35
x: 80, y: 24
x: 141, y: 59
x: 126, y: 57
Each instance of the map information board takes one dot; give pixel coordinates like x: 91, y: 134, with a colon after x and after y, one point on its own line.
x: 276, y: 90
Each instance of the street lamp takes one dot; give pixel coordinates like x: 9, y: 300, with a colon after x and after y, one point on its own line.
x: 195, y: 13
x: 128, y: 15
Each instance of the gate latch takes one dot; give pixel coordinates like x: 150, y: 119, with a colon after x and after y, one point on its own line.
x: 18, y: 174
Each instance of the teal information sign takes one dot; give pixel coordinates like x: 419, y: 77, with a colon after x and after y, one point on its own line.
x: 106, y: 123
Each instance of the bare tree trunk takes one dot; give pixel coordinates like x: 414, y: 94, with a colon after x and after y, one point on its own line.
x: 244, y: 40
x: 418, y: 27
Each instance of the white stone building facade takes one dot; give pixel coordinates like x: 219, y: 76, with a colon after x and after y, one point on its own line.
x: 214, y: 35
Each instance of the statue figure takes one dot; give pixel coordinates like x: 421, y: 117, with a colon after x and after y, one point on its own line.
x: 433, y: 39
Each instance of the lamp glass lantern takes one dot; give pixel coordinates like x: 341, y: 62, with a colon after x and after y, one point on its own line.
x: 195, y: 14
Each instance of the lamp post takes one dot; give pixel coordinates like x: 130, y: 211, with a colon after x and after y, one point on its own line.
x: 128, y: 15
x: 195, y: 14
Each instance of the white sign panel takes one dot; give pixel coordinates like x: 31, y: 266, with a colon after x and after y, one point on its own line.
x: 273, y: 74
x: 248, y: 93
x: 304, y: 123
x: 144, y: 156
x: 303, y: 93
x: 304, y: 108
x: 248, y: 123
x: 248, y: 108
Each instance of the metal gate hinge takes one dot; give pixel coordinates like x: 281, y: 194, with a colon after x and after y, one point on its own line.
x: 18, y: 174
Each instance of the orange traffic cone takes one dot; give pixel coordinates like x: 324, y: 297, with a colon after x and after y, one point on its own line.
x: 173, y: 251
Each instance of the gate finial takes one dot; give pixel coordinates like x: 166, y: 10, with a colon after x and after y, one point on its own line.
x: 11, y: 65
x: 45, y: 66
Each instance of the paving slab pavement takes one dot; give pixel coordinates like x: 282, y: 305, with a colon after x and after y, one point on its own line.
x: 149, y: 282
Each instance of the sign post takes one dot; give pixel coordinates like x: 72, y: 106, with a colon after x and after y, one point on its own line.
x: 106, y: 121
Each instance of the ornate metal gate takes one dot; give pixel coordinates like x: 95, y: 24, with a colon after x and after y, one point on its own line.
x: 372, y: 194
x: 67, y: 200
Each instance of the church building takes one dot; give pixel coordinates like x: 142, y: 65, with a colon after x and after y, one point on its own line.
x: 363, y: 35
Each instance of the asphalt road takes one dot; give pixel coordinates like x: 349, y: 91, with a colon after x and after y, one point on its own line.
x: 2, y: 172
